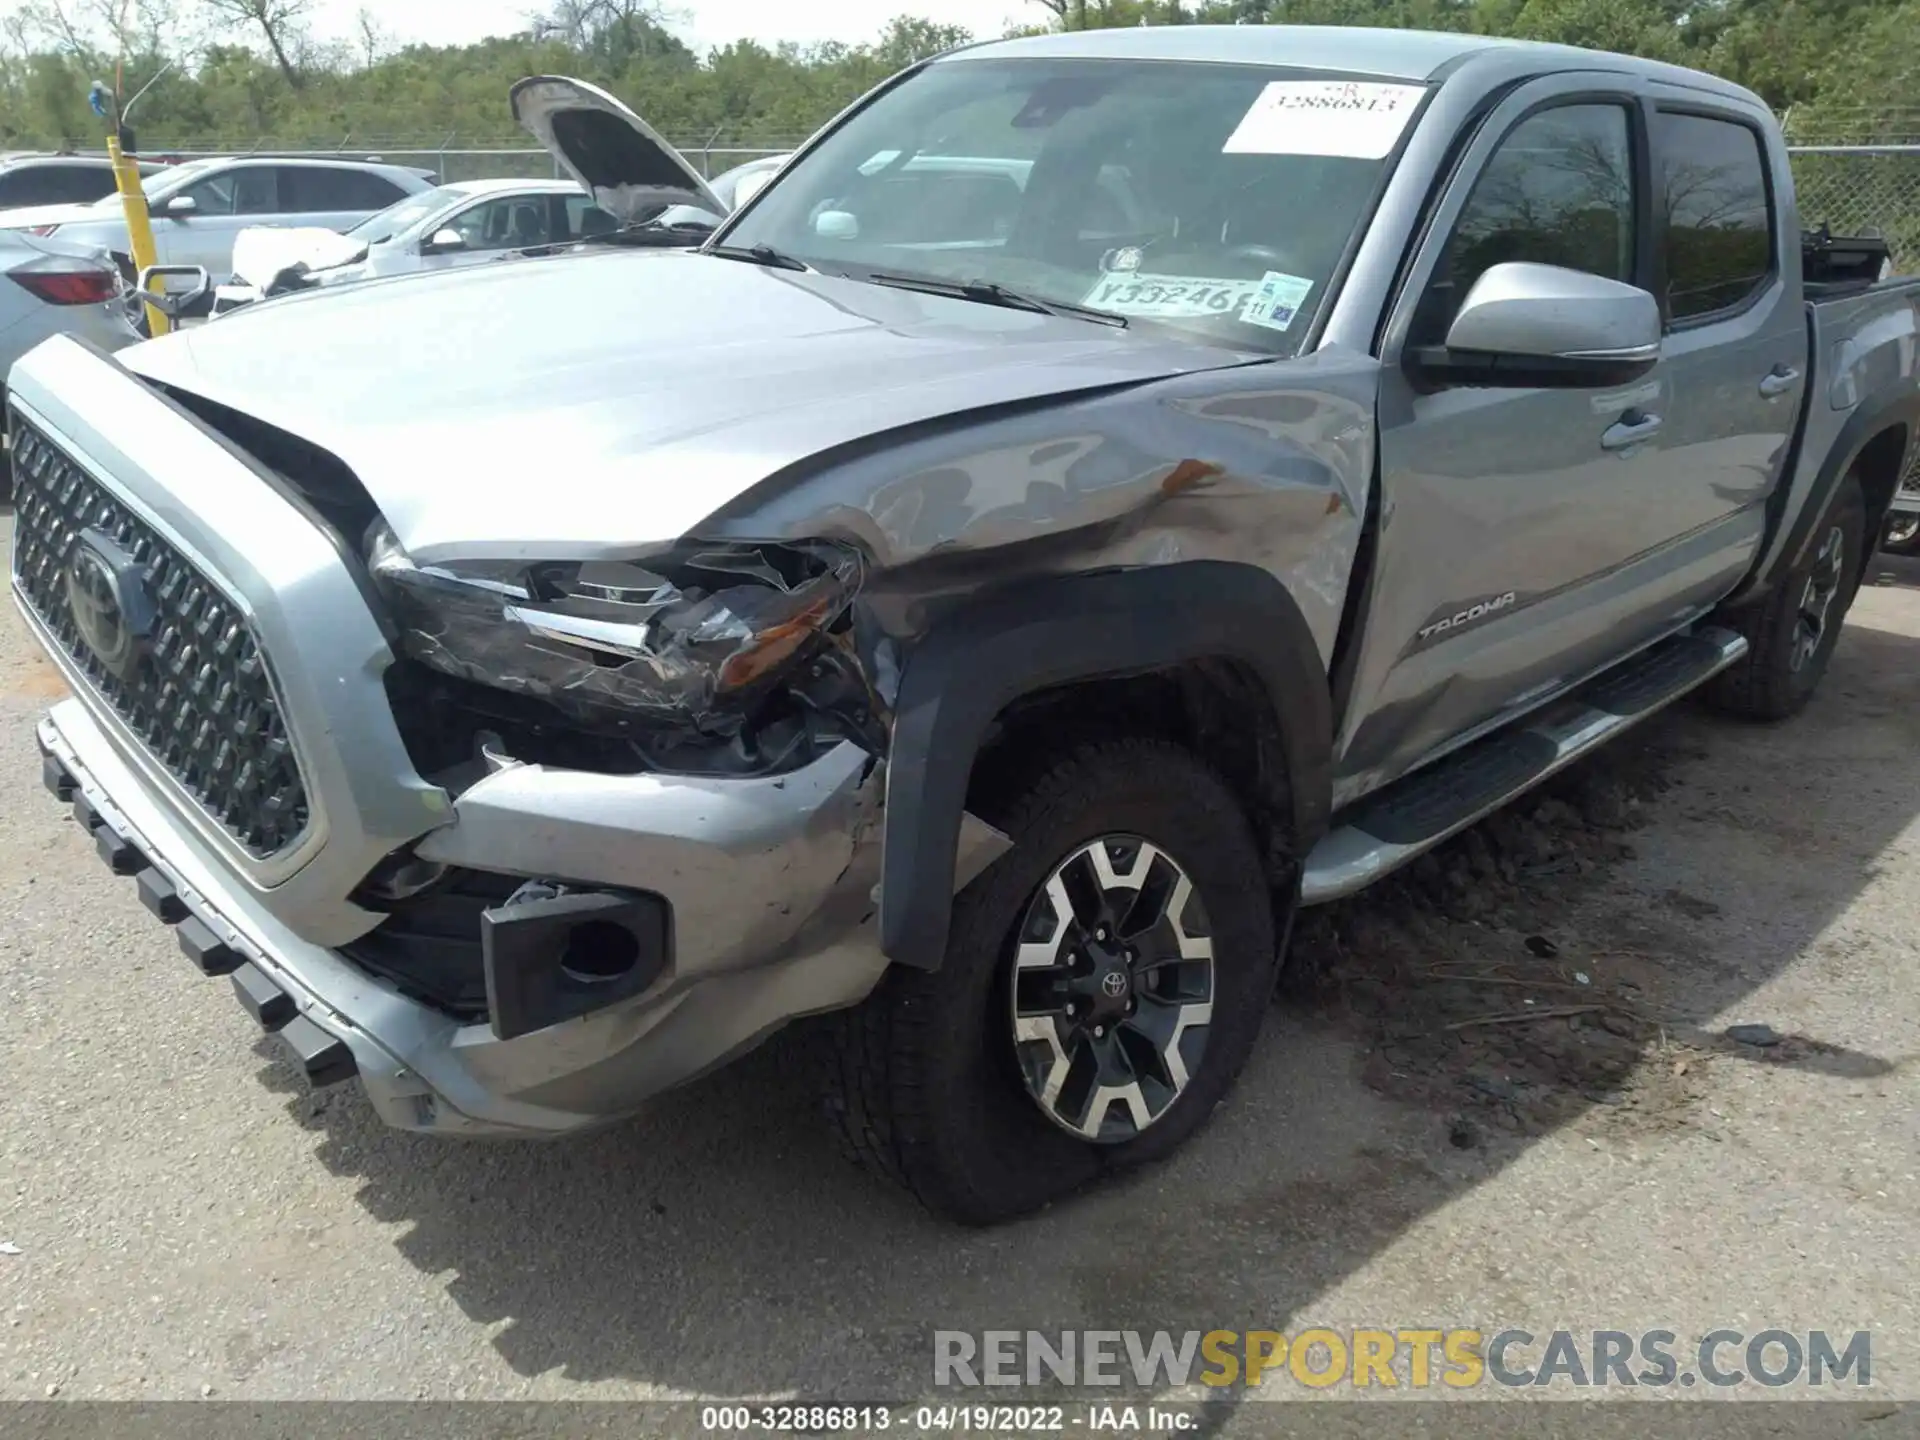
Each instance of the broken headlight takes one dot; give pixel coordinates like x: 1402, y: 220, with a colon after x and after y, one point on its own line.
x: 682, y: 637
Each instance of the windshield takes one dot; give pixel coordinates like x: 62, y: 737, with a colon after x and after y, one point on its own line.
x: 403, y: 215
x: 1214, y: 199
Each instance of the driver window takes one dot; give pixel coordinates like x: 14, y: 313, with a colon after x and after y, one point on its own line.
x: 213, y: 195
x: 1558, y: 191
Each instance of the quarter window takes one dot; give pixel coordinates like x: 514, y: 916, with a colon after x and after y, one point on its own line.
x: 1719, y: 246
x: 319, y: 189
x: 1557, y: 191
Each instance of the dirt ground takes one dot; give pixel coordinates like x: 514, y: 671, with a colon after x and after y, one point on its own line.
x: 1507, y: 1088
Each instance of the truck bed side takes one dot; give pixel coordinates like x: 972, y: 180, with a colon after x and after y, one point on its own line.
x: 1862, y: 405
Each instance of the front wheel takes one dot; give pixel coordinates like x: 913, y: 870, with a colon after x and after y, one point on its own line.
x: 1791, y: 633
x: 1103, y: 986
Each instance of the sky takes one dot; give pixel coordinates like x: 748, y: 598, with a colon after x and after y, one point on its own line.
x: 702, y: 23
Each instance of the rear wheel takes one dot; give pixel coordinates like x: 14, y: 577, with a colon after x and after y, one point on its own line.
x: 1103, y: 985
x: 1791, y: 634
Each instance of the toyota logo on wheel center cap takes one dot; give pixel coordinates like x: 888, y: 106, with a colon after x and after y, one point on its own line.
x: 1114, y: 984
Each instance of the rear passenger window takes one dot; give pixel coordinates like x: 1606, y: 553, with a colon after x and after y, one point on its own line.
x: 1719, y: 248
x: 54, y: 184
x: 318, y: 189
x: 77, y: 184
x: 584, y: 218
x: 1558, y: 191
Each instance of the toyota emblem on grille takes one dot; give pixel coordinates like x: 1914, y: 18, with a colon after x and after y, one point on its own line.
x: 107, y: 597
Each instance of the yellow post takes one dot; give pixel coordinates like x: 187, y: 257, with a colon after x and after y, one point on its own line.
x: 133, y: 199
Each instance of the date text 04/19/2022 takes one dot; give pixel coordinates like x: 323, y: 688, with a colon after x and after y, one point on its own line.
x: 945, y: 1419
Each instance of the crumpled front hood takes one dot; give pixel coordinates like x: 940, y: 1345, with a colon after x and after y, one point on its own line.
x: 591, y: 404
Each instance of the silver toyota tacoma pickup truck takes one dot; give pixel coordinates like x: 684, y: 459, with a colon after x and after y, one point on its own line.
x: 1109, y: 491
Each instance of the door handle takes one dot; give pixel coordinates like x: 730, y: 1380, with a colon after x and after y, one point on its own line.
x: 1630, y: 430
x: 1778, y: 381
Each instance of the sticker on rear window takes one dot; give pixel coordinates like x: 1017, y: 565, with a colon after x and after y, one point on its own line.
x: 1147, y: 296
x: 1360, y: 120
x: 1276, y: 301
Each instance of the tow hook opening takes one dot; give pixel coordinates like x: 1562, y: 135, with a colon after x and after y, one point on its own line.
x: 554, y: 954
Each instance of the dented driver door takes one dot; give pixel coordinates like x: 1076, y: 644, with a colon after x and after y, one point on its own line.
x: 1512, y: 520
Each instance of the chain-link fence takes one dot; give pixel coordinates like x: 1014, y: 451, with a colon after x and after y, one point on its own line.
x: 710, y: 155
x: 1863, y: 190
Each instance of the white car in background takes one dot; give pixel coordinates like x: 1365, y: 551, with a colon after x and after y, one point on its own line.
x: 49, y: 287
x: 463, y: 223
x: 470, y: 221
x: 200, y: 207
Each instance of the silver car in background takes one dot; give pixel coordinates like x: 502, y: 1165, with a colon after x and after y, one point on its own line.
x: 35, y: 178
x: 200, y: 207
x: 56, y: 289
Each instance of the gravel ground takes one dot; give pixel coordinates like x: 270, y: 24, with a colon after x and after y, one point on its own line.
x: 189, y: 1223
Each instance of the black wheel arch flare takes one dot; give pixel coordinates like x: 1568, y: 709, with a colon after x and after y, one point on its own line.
x: 1033, y: 636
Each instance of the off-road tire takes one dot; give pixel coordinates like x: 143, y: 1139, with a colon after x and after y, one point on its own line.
x: 1767, y: 683
x: 923, y: 1084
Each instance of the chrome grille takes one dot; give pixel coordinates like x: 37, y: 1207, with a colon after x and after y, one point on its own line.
x: 197, y: 692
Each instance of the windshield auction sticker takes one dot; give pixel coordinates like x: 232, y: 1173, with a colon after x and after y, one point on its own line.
x: 1359, y: 120
x: 1277, y: 301
x: 1146, y: 296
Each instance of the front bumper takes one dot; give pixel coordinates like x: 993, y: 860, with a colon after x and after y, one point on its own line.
x: 424, y: 1070
x: 769, y: 882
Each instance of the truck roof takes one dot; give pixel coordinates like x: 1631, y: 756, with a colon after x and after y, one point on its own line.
x: 1423, y: 55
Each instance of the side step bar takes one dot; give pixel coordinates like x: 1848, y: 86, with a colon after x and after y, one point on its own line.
x: 1385, y: 831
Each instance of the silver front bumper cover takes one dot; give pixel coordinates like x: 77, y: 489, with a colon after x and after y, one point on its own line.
x: 728, y: 989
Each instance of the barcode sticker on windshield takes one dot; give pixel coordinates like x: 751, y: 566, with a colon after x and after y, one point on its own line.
x: 1359, y: 120
x: 1169, y: 297
x: 1277, y: 301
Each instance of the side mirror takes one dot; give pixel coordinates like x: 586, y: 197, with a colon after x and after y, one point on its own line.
x: 174, y: 290
x: 180, y: 207
x: 1527, y: 325
x: 444, y: 242
x: 836, y: 225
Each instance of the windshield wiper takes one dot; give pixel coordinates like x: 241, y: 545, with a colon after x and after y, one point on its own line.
x: 756, y: 255
x: 988, y: 292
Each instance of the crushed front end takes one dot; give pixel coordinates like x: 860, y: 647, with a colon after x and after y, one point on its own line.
x: 517, y: 844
